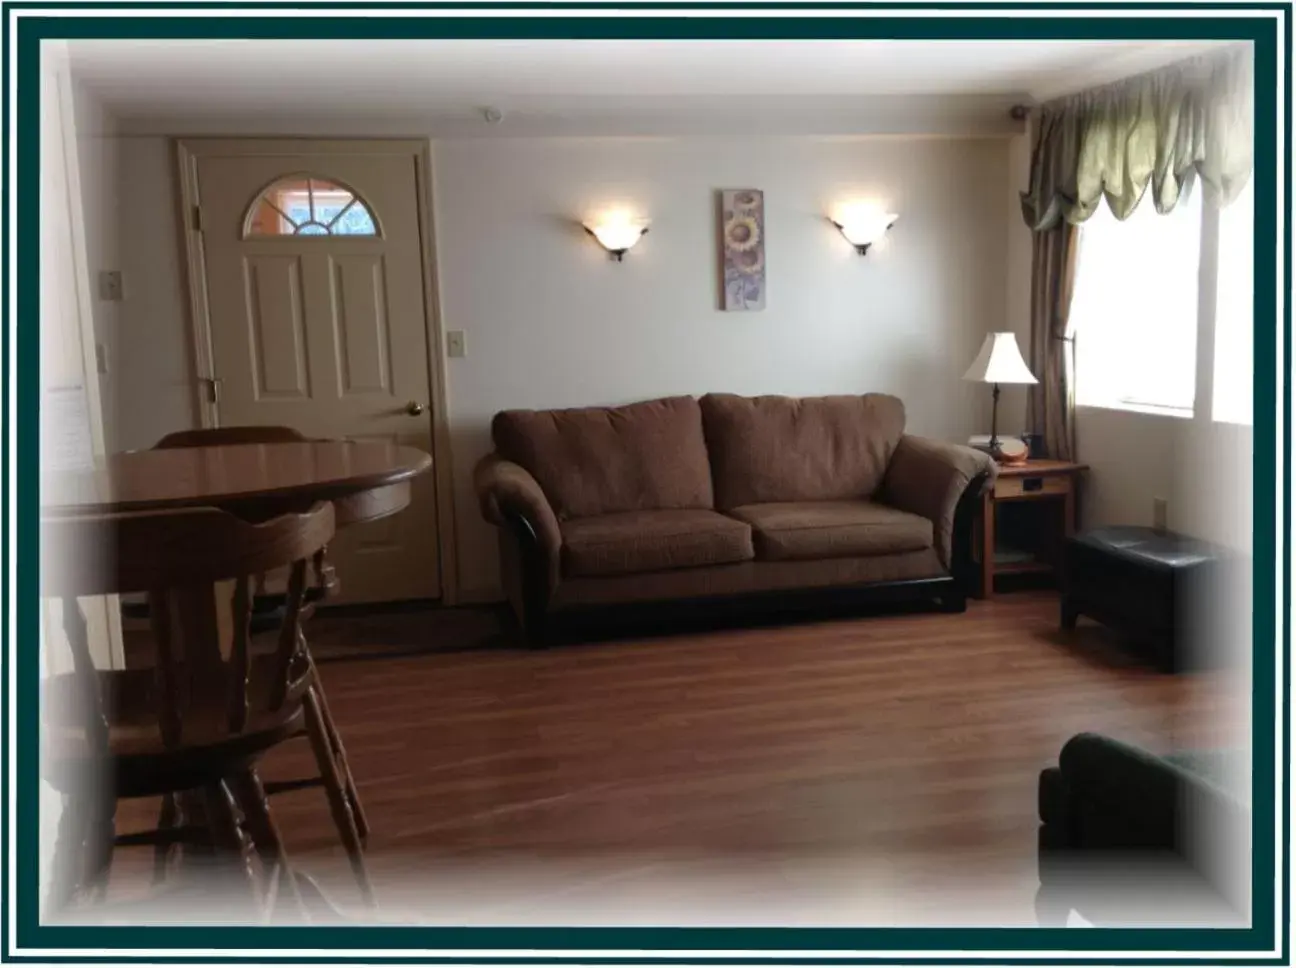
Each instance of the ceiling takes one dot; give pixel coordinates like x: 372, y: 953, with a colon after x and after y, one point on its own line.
x: 548, y: 83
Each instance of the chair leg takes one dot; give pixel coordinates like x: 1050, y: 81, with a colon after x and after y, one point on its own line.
x: 103, y: 834
x: 168, y: 817
x: 277, y: 873
x: 227, y: 833
x: 1069, y: 613
x: 340, y: 757
x: 1051, y: 910
x: 339, y: 803
x: 68, y: 876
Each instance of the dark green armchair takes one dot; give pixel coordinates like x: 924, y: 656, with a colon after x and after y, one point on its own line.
x: 1127, y: 836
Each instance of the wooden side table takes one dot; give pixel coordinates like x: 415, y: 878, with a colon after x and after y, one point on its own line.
x: 1053, y: 481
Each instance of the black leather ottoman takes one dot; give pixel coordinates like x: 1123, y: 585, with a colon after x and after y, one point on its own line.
x: 1142, y: 583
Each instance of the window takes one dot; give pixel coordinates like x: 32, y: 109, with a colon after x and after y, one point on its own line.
x: 1234, y: 310
x: 301, y: 205
x: 1134, y: 309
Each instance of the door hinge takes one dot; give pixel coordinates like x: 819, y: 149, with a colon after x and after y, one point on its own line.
x: 197, y: 218
x: 213, y: 385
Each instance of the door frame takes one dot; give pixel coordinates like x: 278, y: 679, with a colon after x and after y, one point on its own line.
x: 187, y: 153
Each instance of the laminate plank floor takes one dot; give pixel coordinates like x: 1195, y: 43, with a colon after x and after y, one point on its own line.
x: 876, y: 770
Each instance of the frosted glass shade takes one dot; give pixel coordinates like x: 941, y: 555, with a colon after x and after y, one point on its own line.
x: 617, y: 235
x: 1000, y: 361
x: 865, y: 228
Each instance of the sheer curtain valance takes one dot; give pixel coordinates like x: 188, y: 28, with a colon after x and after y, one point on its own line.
x: 1191, y: 119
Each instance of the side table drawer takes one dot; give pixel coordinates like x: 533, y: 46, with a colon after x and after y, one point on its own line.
x: 1009, y: 487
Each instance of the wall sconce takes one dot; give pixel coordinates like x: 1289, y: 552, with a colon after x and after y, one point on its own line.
x: 617, y: 234
x: 863, y: 227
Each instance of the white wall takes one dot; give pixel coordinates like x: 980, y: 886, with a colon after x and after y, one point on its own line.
x: 1131, y: 458
x: 551, y: 322
x: 1200, y: 468
x: 149, y: 387
x: 71, y: 424
x: 97, y: 154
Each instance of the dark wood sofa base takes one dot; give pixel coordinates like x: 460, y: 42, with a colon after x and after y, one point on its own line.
x: 754, y: 609
x: 542, y: 626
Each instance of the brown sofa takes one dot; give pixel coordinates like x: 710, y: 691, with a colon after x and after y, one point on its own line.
x: 701, y: 501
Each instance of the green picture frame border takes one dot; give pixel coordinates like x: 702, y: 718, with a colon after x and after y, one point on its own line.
x: 24, y: 939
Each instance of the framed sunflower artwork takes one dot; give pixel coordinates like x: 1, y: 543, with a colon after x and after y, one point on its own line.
x: 742, y: 246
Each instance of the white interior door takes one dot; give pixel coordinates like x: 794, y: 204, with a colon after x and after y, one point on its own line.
x: 314, y: 286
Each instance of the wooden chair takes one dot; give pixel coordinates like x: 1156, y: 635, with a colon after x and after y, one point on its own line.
x: 266, y: 606
x: 326, y: 742
x: 194, y: 725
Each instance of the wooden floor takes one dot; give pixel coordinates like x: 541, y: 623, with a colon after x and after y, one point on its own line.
x: 814, y: 773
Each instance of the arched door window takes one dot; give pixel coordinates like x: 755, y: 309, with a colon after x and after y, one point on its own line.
x: 307, y: 205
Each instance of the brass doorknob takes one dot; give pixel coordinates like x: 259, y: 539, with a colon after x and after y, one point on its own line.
x: 414, y: 408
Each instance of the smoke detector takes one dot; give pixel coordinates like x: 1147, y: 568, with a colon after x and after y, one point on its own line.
x: 492, y: 115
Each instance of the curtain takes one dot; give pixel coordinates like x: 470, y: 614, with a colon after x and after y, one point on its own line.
x: 1166, y: 128
x: 1050, y: 406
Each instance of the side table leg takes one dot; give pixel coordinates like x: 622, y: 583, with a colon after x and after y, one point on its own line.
x: 987, y: 545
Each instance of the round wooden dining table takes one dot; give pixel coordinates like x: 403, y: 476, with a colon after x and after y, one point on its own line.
x: 365, y: 480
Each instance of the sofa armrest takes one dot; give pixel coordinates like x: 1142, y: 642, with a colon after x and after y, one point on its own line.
x: 509, y: 496
x: 930, y: 478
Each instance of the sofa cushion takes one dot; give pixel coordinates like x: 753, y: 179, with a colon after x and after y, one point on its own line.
x: 640, y: 541
x: 833, y: 529
x: 771, y: 448
x: 600, y: 460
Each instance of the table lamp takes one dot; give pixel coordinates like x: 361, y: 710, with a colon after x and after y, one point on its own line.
x: 1000, y: 361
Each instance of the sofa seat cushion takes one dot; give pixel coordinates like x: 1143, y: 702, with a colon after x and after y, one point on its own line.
x: 807, y: 530
x: 639, y: 541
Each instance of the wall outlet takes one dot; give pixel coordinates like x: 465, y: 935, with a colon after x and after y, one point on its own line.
x: 456, y: 345
x: 1160, y: 511
x: 110, y: 285
x: 101, y: 358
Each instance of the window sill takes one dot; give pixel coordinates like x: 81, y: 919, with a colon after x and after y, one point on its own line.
x: 1176, y: 413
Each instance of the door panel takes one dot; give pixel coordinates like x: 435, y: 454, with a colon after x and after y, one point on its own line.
x: 276, y: 327
x: 363, y: 341
x: 326, y: 333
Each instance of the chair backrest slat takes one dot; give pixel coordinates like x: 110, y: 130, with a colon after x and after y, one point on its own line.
x: 249, y: 434
x: 222, y: 436
x: 240, y: 655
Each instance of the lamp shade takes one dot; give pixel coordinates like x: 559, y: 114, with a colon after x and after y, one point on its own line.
x: 1000, y: 361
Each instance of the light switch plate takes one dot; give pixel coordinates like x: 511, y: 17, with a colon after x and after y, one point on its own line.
x: 110, y: 285
x: 1160, y: 508
x: 456, y: 347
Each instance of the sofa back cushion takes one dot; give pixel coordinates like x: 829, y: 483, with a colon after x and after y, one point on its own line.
x: 601, y: 460
x: 799, y: 448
